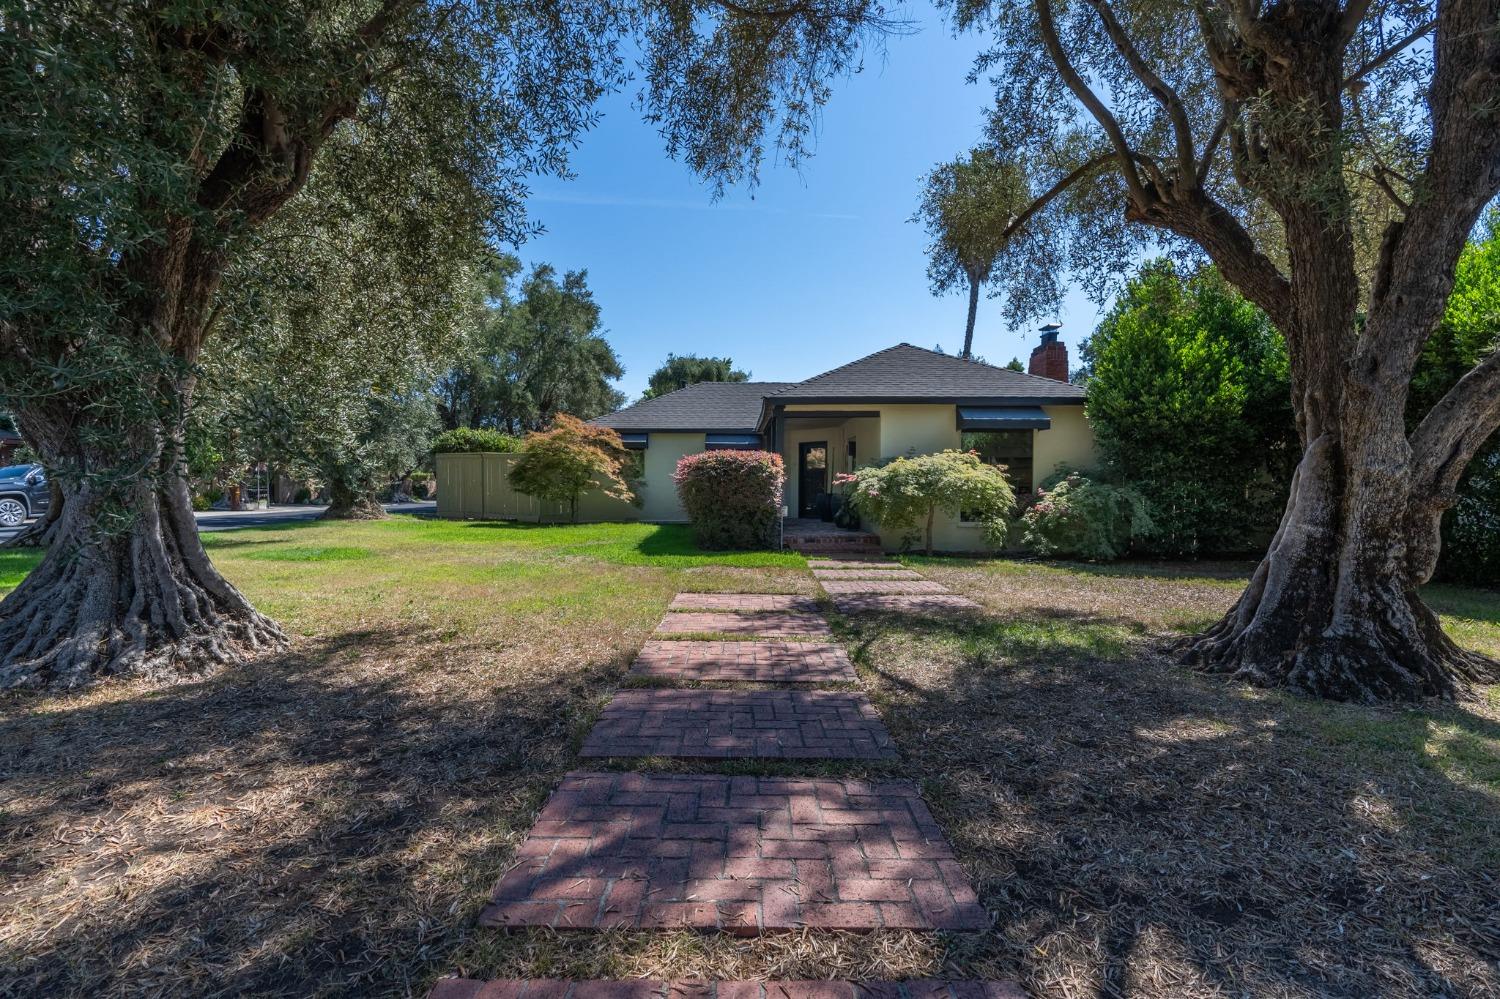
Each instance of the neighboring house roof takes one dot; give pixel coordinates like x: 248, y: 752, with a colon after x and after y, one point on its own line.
x: 705, y: 406
x: 904, y: 373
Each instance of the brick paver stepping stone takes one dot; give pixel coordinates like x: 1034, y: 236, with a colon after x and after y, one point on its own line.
x: 770, y: 624
x: 744, y: 602
x: 740, y: 854
x: 886, y: 574
x: 758, y: 662
x: 702, y: 724
x: 853, y: 563
x: 895, y: 603
x: 835, y: 586
x: 465, y: 988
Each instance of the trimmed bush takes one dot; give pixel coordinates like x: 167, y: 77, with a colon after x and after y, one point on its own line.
x: 905, y: 494
x: 733, y: 498
x: 1079, y: 517
x: 468, y: 440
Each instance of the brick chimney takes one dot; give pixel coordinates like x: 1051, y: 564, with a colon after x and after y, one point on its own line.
x: 1050, y: 358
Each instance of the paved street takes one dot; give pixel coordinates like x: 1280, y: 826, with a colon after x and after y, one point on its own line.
x: 228, y: 520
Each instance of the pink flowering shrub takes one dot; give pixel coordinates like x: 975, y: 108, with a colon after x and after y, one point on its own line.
x: 732, y: 498
x: 1079, y: 517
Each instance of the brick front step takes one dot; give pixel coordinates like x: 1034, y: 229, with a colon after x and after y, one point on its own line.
x: 768, y: 624
x: 465, y: 988
x: 743, y: 855
x: 744, y: 602
x: 741, y: 662
x: 903, y: 586
x: 761, y: 724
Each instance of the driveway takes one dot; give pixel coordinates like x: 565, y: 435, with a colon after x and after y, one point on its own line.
x: 229, y: 520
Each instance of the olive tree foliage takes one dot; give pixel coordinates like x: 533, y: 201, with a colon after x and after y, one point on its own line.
x: 147, y: 144
x: 1259, y: 136
x: 332, y: 332
x: 968, y: 208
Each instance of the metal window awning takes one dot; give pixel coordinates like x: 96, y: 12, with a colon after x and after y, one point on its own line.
x: 636, y: 442
x: 732, y: 442
x: 1003, y: 418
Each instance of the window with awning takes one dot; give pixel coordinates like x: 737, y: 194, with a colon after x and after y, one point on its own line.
x: 636, y: 442
x: 1003, y: 418
x: 732, y: 442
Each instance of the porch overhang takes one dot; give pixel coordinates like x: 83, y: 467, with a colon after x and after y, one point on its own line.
x: 1003, y: 418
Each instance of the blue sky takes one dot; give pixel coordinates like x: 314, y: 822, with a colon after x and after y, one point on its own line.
x: 813, y: 268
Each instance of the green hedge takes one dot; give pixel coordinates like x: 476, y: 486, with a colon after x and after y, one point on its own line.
x: 467, y: 440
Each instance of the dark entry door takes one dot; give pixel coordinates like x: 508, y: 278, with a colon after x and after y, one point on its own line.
x: 812, y: 477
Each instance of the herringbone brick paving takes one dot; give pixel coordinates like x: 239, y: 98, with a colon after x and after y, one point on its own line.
x: 906, y: 586
x: 744, y: 602
x: 769, y: 624
x: 699, y: 724
x: 744, y: 855
x: 463, y: 988
x: 752, y: 662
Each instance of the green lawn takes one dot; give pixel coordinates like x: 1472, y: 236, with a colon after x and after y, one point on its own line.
x: 327, y: 821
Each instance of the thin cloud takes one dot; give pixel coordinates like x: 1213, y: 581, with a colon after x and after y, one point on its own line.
x: 669, y: 204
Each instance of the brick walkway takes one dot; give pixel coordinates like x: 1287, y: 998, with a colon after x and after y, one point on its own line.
x: 758, y: 662
x: 742, y: 855
x: 701, y: 724
x: 752, y: 602
x: 851, y: 563
x: 896, y: 573
x: 463, y: 988
x: 739, y: 854
x: 895, y: 603
x: 837, y: 586
x: 771, y: 624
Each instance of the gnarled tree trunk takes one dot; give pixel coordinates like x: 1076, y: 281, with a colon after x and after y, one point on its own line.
x: 126, y: 595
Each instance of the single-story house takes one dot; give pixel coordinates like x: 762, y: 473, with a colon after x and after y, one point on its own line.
x: 903, y: 400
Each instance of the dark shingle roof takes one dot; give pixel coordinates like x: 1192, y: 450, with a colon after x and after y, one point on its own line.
x: 707, y: 406
x: 904, y: 373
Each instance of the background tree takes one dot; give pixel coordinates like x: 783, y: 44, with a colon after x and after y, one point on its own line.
x: 1189, y: 401
x: 560, y: 463
x: 147, y: 145
x: 967, y: 208
x: 1249, y: 134
x: 537, y: 351
x: 690, y: 369
x: 1469, y: 332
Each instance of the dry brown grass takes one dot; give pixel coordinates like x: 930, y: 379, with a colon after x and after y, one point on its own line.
x: 328, y: 822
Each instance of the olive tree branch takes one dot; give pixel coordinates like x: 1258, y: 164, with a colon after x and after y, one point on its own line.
x: 1187, y: 165
x: 1390, y: 53
x: 1090, y: 100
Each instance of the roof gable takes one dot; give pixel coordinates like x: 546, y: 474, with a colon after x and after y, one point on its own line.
x: 908, y: 373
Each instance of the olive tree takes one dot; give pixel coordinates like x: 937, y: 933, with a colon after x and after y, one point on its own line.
x: 1258, y: 135
x: 146, y: 146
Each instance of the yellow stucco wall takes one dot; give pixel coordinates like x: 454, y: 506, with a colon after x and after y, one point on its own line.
x: 907, y: 429
x: 658, y: 493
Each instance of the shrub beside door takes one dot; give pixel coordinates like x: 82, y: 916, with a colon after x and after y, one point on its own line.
x: 732, y: 498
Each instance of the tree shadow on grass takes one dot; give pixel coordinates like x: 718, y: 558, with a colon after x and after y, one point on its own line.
x: 1141, y: 830
x: 322, y: 822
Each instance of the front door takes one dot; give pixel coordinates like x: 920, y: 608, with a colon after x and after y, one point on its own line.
x: 812, y: 477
